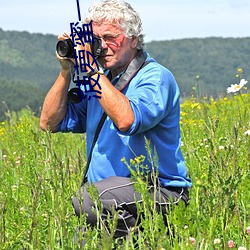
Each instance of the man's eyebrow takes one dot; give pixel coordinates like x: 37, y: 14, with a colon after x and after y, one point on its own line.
x: 110, y: 32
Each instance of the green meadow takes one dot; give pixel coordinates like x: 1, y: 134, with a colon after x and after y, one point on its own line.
x: 40, y: 172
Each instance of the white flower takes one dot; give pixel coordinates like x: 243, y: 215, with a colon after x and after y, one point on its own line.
x: 247, y: 133
x: 248, y: 230
x: 242, y: 248
x: 221, y: 147
x: 217, y: 241
x: 22, y: 210
x: 192, y: 240
x: 237, y: 87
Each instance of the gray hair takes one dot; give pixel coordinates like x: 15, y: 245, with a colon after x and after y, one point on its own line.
x: 120, y: 13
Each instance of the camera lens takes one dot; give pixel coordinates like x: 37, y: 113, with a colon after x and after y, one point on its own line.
x: 75, y: 95
x: 65, y: 48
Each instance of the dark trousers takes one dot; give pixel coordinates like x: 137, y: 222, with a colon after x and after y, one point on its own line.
x: 119, y: 194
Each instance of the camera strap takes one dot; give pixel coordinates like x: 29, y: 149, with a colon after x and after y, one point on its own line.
x: 136, y: 64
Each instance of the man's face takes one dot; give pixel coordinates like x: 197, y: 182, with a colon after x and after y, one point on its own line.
x: 118, y: 50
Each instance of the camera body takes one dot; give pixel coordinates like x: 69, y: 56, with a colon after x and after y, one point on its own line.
x: 65, y: 48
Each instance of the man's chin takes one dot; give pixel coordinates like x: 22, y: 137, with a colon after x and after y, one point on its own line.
x: 105, y: 64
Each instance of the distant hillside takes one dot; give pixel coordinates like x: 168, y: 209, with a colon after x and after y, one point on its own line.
x: 210, y: 64
x: 28, y: 66
x: 28, y: 57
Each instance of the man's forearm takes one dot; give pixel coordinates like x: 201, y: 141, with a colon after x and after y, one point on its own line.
x: 115, y: 104
x: 55, y: 103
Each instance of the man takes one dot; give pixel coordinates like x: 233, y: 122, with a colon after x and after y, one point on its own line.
x: 141, y: 100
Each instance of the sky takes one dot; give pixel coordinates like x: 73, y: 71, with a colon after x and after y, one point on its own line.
x: 162, y: 19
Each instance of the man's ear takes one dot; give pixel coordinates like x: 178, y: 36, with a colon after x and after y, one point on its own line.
x: 134, y: 42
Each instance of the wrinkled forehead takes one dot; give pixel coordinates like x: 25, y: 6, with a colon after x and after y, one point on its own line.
x: 106, y: 26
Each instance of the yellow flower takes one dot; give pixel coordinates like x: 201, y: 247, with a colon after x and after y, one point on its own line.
x: 138, y: 160
x: 195, y: 105
x: 240, y: 70
x: 132, y: 162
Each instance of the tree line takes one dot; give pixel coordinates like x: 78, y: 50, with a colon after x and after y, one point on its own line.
x: 202, y: 67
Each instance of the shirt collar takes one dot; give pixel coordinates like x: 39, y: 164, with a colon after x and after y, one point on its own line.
x: 115, y: 80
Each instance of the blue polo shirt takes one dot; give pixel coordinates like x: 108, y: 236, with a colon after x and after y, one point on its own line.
x: 154, y: 97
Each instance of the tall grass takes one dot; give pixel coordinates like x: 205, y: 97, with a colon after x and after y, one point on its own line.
x: 40, y: 172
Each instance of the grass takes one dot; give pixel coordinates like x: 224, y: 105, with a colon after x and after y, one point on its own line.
x: 40, y: 172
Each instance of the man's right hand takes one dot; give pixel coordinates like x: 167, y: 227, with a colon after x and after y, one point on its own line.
x: 66, y: 63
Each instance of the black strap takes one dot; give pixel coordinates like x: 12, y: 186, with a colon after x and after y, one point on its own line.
x: 136, y: 64
x: 97, y: 132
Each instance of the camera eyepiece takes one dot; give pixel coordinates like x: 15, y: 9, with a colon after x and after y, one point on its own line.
x: 96, y: 47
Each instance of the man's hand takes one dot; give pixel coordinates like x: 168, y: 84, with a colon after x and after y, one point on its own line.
x: 66, y: 62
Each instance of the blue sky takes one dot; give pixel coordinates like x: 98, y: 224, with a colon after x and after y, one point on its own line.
x: 162, y: 19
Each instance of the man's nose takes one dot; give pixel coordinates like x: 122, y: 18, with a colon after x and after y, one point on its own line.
x: 104, y: 44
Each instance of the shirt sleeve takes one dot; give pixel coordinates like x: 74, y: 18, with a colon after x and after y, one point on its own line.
x: 154, y: 96
x: 75, y: 118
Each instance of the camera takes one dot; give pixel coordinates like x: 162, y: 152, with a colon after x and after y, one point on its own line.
x: 65, y: 48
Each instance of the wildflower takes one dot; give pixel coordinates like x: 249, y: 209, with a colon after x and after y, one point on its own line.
x: 248, y: 230
x: 221, y: 147
x: 240, y: 70
x: 216, y: 241
x: 14, y: 188
x: 132, y: 162
x: 247, y: 133
x: 198, y: 182
x: 230, y: 244
x: 71, y: 167
x: 237, y: 87
x: 242, y: 248
x: 192, y: 240
x: 45, y: 216
x: 195, y: 106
